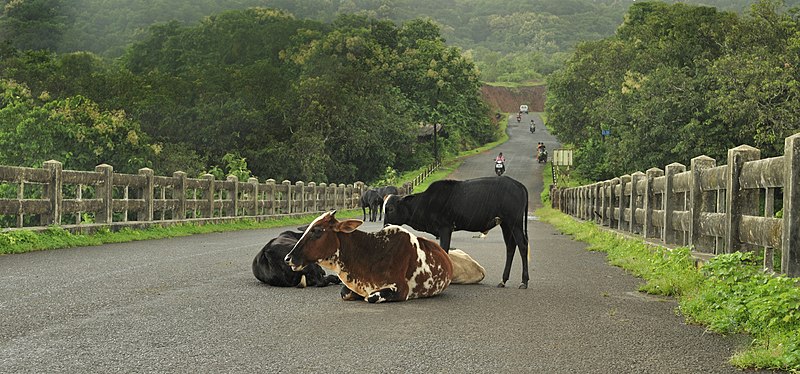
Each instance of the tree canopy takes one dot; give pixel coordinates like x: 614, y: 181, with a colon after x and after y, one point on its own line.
x: 512, y: 40
x: 678, y: 80
x: 297, y: 99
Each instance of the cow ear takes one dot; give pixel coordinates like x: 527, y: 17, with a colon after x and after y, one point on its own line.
x: 347, y: 226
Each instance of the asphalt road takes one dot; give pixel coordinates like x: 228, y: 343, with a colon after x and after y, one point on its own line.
x: 192, y: 305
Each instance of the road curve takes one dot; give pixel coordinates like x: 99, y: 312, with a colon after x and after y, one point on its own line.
x: 192, y: 305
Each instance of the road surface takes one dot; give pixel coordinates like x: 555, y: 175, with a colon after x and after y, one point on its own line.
x: 191, y: 304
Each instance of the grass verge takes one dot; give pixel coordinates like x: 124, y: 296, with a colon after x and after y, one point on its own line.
x: 21, y: 241
x: 729, y: 294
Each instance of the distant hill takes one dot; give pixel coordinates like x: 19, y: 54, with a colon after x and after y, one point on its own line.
x: 513, y: 40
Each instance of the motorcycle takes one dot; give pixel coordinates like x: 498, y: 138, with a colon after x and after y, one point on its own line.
x: 533, y: 127
x: 542, y: 156
x: 499, y: 168
x: 519, y: 119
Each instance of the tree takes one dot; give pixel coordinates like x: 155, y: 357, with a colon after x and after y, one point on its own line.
x: 34, y: 24
x: 73, y: 130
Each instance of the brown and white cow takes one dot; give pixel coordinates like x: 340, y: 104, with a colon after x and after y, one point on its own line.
x: 389, y: 265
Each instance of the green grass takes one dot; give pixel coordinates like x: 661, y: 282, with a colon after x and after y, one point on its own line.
x: 21, y: 241
x: 729, y: 294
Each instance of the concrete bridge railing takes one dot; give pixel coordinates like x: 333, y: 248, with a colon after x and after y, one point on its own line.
x: 714, y: 209
x: 84, y: 201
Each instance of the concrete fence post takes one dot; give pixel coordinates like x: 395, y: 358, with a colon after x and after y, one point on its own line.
x: 738, y: 201
x: 253, y: 204
x: 52, y: 190
x: 334, y: 189
x: 350, y: 200
x: 147, y: 195
x: 208, y: 209
x: 233, y: 195
x: 613, y: 204
x: 699, y: 202
x: 270, y: 192
x: 179, y: 194
x: 312, y: 189
x: 105, y: 192
x: 586, y: 209
x: 623, y: 182
x: 604, y: 202
x: 300, y: 188
x: 597, y: 189
x: 288, y: 198
x: 790, y: 256
x: 343, y: 198
x: 637, y: 179
x: 669, y: 201
x: 323, y: 191
x: 649, y: 202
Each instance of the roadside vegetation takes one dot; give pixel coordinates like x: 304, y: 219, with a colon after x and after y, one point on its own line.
x: 729, y: 294
x: 679, y: 81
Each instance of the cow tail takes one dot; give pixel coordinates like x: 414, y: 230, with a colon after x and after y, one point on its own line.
x: 528, y: 242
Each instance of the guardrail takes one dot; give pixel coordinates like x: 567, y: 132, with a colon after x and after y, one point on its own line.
x: 79, y: 200
x: 714, y: 209
x: 84, y: 201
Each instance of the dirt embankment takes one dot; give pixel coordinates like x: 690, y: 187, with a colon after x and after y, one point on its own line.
x: 508, y: 99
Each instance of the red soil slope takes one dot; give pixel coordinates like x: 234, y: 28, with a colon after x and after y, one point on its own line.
x: 507, y: 99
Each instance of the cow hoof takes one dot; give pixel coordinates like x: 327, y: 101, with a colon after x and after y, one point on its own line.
x: 501, y: 285
x: 523, y: 286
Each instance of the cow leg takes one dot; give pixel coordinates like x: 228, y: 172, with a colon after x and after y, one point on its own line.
x: 330, y: 279
x: 444, y: 238
x: 349, y: 295
x: 510, y: 246
x: 318, y: 277
x: 521, y: 242
x: 364, y: 210
x: 383, y: 295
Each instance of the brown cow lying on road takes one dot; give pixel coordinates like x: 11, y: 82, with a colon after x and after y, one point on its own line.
x: 389, y: 265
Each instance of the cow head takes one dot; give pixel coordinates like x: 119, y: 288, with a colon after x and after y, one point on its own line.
x: 395, y: 210
x: 319, y: 241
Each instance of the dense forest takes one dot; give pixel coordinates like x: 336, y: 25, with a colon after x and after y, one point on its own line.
x: 336, y: 90
x: 248, y: 90
x: 510, y: 40
x: 678, y: 81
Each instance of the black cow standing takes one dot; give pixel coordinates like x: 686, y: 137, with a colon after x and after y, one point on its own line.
x: 388, y: 190
x: 269, y: 265
x: 475, y: 205
x: 373, y: 200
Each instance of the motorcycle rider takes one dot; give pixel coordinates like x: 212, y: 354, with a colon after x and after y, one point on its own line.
x: 541, y: 151
x: 500, y: 159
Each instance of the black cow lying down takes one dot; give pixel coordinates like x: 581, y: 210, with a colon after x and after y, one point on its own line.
x: 269, y: 265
